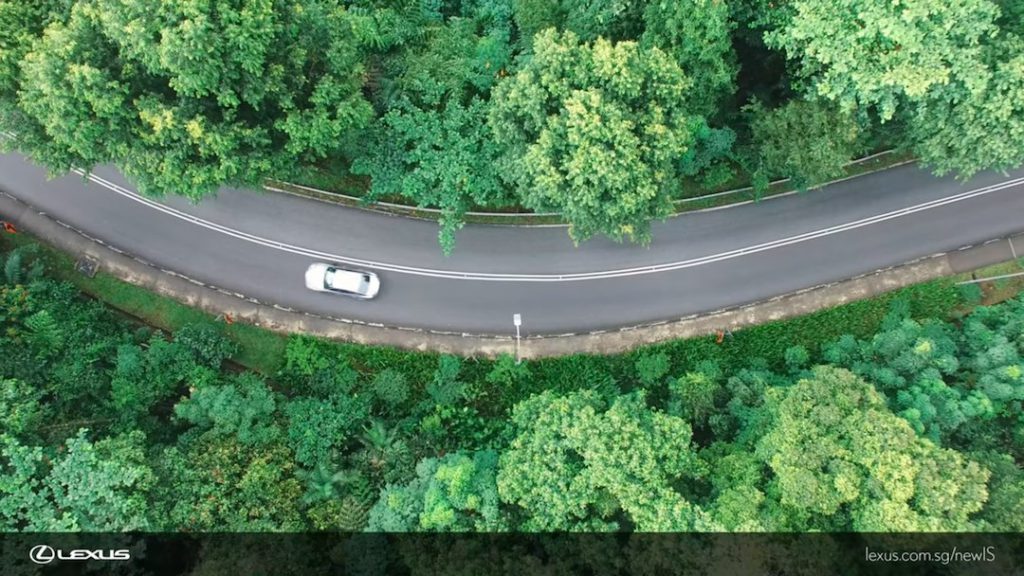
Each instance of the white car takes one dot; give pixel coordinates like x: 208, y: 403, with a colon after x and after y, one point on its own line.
x: 356, y: 283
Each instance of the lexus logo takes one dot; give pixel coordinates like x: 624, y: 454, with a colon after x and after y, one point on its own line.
x: 43, y: 554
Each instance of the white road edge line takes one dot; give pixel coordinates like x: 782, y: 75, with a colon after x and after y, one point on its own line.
x: 575, y: 277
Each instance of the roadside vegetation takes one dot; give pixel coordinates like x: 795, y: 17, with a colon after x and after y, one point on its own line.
x: 604, y: 111
x: 901, y: 413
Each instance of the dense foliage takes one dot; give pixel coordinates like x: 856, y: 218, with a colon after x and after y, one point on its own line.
x: 594, y: 132
x: 908, y: 423
x: 604, y: 110
x: 186, y: 96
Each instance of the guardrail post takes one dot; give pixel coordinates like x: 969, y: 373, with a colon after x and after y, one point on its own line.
x: 517, y: 320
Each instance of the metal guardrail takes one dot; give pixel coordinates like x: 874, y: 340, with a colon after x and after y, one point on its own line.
x: 990, y: 278
x: 1016, y: 258
x: 513, y: 215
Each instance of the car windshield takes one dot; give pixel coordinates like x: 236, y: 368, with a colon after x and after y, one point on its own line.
x: 346, y: 281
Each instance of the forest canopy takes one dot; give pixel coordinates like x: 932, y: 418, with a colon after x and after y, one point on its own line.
x: 603, y: 110
x: 881, y: 416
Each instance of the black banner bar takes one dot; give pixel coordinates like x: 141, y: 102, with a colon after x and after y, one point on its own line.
x: 500, y: 554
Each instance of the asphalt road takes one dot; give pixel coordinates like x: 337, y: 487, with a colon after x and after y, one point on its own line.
x: 259, y: 243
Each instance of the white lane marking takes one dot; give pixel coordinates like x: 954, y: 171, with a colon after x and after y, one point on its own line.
x: 618, y: 273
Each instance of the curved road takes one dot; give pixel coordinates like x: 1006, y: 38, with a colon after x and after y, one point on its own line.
x: 259, y: 244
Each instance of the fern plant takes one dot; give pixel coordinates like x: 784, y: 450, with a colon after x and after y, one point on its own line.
x: 385, y: 454
x: 15, y: 271
x: 44, y: 332
x: 378, y: 438
x: 347, y: 514
x: 353, y: 514
x: 12, y: 267
x: 323, y: 484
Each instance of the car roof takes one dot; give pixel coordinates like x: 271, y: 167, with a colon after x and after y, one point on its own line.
x: 345, y: 280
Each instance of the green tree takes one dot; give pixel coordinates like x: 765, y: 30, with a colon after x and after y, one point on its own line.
x: 324, y: 484
x: 697, y: 33
x: 694, y: 395
x: 532, y: 16
x: 206, y: 344
x: 379, y: 28
x: 242, y: 407
x: 966, y: 128
x: 588, y: 19
x: 992, y: 358
x: 808, y: 142
x: 432, y: 145
x: 437, y: 158
x: 318, y: 428
x: 611, y: 19
x: 1012, y: 14
x: 18, y: 270
x: 711, y: 157
x: 737, y: 476
x: 454, y: 493
x: 840, y: 459
x: 796, y: 358
x: 103, y: 485
x: 24, y: 499
x: 1004, y: 511
x: 992, y: 362
x: 317, y: 368
x: 100, y: 486
x: 21, y: 26
x: 144, y: 377
x: 917, y: 366
x: 594, y: 131
x: 744, y: 421
x: 21, y: 409
x: 56, y: 342
x: 445, y: 389
x: 577, y: 464
x: 874, y: 53
x: 210, y: 482
x: 43, y: 333
x: 188, y: 96
x: 456, y: 59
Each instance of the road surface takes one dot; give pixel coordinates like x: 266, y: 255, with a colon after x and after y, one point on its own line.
x: 259, y: 244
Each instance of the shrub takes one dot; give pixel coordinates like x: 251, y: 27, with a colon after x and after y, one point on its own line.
x: 651, y: 368
x: 390, y: 387
x: 206, y: 343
